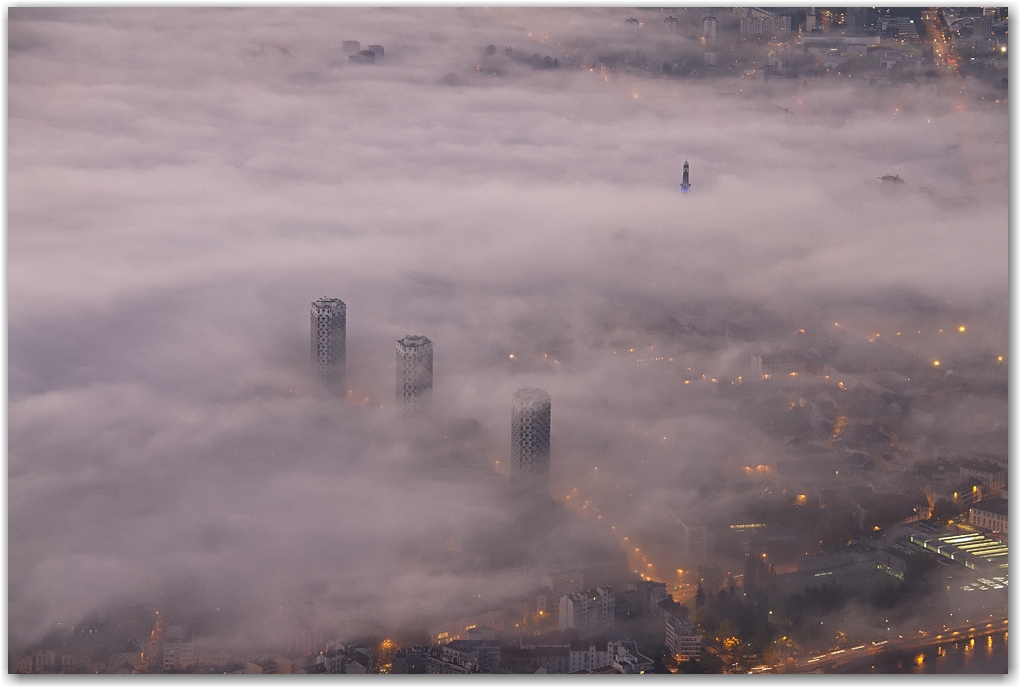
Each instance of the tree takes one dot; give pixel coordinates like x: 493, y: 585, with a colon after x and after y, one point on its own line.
x: 773, y: 654
x: 921, y: 574
x: 944, y: 511
x: 729, y: 635
x: 699, y: 597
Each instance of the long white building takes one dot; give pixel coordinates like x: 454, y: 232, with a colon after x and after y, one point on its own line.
x: 683, y: 638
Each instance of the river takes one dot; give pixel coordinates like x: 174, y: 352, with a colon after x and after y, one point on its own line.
x: 987, y: 654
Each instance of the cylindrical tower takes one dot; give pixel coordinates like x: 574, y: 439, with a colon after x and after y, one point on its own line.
x: 414, y: 374
x: 530, y: 423
x: 329, y: 340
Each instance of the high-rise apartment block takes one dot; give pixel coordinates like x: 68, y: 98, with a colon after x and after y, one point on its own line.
x: 709, y: 28
x: 414, y: 374
x: 693, y: 541
x: 683, y: 638
x: 759, y: 22
x: 530, y: 422
x: 329, y: 339
x: 590, y: 613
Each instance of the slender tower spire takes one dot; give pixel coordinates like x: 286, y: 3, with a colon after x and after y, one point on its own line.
x: 685, y: 185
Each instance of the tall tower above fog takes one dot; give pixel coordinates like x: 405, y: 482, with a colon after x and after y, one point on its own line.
x: 329, y: 340
x: 685, y: 185
x: 414, y: 374
x: 530, y: 423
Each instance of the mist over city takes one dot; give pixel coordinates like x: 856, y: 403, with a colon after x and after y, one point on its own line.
x: 758, y: 264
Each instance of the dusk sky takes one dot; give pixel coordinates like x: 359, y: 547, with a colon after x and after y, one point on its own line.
x: 183, y: 183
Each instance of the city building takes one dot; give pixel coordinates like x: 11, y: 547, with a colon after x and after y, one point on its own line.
x: 364, y: 57
x: 972, y: 549
x: 857, y: 20
x: 811, y: 23
x: 666, y: 608
x: 548, y: 659
x: 423, y: 660
x: 693, y: 540
x: 685, y: 185
x: 24, y: 664
x: 709, y: 28
x: 530, y: 428
x: 628, y: 660
x: 561, y: 582
x: 127, y: 653
x: 607, y: 658
x: 480, y: 652
x: 44, y: 658
x: 329, y: 340
x: 414, y: 374
x: 642, y: 598
x: 265, y: 666
x: 683, y: 638
x: 178, y: 654
x: 762, y: 23
x: 451, y: 630
x: 291, y: 663
x: 781, y: 364
x: 589, y: 613
x: 991, y: 514
x: 991, y: 477
x: 828, y: 45
x: 961, y: 492
x: 340, y: 659
x: 483, y: 633
x: 671, y: 25
x: 436, y: 664
x: 897, y: 27
x: 590, y: 655
x: 350, y: 47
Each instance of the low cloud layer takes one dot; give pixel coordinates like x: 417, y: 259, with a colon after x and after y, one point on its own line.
x: 183, y: 183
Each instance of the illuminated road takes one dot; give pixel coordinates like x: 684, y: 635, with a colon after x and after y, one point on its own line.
x: 150, y: 655
x: 928, y: 638
x: 636, y: 557
x: 946, y: 57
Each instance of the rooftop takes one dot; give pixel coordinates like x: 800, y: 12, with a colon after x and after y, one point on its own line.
x: 326, y: 302
x: 414, y: 341
x: 532, y: 396
x: 996, y: 505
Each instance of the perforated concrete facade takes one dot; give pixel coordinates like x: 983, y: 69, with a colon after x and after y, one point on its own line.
x: 414, y: 375
x: 329, y: 340
x: 530, y: 423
